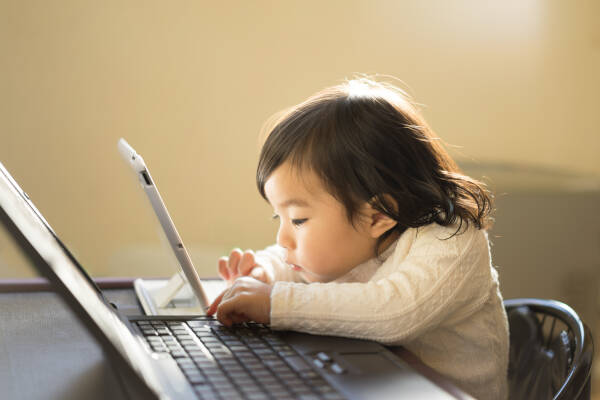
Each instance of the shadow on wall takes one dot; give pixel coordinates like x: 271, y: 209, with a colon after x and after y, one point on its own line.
x: 546, y: 235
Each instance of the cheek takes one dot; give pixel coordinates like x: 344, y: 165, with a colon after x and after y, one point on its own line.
x: 322, y: 253
x: 312, y: 246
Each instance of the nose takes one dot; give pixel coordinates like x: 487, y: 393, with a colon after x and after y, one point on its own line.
x: 284, y: 237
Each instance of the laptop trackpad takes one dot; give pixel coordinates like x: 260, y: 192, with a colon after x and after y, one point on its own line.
x: 368, y: 363
x: 382, y: 378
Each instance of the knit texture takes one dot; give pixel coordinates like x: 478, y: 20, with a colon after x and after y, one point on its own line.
x: 433, y: 293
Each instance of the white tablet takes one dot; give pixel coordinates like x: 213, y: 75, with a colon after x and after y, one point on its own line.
x: 173, y: 296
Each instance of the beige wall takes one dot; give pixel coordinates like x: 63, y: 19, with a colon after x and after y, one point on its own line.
x: 189, y: 84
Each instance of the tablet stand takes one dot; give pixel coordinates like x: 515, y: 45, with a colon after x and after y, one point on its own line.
x: 174, y: 296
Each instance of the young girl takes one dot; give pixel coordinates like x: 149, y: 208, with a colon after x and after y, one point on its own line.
x: 381, y: 237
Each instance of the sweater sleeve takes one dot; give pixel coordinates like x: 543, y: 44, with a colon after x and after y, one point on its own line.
x: 441, y: 280
x: 272, y: 259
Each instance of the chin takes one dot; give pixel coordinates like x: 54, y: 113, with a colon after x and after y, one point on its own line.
x: 310, y: 277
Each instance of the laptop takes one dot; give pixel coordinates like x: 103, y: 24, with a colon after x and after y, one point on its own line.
x: 184, y: 357
x: 184, y: 293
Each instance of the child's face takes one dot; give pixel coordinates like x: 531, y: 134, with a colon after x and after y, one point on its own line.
x: 321, y: 242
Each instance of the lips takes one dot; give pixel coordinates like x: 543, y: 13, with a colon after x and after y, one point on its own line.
x: 294, y: 266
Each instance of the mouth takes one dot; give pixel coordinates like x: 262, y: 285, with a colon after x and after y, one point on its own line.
x: 295, y: 267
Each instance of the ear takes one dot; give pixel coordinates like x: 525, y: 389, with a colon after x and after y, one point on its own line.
x: 377, y: 223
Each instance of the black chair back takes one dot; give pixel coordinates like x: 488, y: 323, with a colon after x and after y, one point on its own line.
x: 551, y: 351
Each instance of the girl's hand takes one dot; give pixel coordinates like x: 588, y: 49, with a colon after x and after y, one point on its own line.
x: 246, y: 300
x: 241, y: 264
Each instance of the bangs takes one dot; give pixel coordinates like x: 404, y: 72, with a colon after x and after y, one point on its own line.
x: 298, y: 138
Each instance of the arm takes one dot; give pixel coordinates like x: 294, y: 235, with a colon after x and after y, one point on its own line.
x: 265, y: 265
x: 437, y: 281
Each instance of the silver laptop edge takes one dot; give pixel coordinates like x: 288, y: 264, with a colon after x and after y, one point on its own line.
x: 160, y: 297
x: 43, y: 249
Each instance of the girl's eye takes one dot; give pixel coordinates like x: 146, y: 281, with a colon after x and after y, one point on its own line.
x: 299, y: 221
x: 275, y: 216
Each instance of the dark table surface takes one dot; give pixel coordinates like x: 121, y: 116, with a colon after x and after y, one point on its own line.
x: 46, y: 353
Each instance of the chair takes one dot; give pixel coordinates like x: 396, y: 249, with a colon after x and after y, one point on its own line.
x: 551, y: 351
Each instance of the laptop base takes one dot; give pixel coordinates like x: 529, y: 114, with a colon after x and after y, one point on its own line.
x: 181, y: 302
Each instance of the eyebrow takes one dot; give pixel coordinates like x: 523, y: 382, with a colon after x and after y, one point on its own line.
x: 294, y: 202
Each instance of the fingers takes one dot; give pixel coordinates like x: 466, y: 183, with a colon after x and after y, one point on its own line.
x: 234, y: 260
x: 223, y: 270
x: 247, y: 300
x: 246, y: 263
x: 229, y: 312
x: 259, y: 273
x: 237, y: 264
x: 215, y: 304
x: 228, y: 266
x: 233, y: 318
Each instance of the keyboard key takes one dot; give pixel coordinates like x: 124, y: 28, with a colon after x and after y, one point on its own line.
x: 297, y: 363
x: 274, y: 364
x: 196, y: 378
x: 309, y: 374
x: 250, y: 387
x: 299, y: 391
x: 234, y: 369
x: 296, y: 383
x: 159, y: 348
x: 243, y: 381
x: 238, y: 374
x: 335, y: 367
x: 196, y: 324
x: 323, y: 357
x: 220, y: 381
x: 274, y: 387
x: 205, y: 392
x: 323, y: 389
x: 286, y: 376
x: 178, y: 354
x: 261, y: 374
x: 257, y: 396
x: 263, y: 351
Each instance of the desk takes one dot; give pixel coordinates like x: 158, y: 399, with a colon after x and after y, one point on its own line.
x: 45, y: 353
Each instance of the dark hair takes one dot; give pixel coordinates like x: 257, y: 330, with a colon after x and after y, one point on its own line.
x: 367, y: 143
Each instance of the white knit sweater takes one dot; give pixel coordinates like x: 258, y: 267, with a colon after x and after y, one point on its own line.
x: 436, y: 295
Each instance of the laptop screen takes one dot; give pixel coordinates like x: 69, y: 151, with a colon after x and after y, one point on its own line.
x: 51, y: 258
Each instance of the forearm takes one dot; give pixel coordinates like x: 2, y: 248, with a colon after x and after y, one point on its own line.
x: 358, y: 310
x: 422, y: 293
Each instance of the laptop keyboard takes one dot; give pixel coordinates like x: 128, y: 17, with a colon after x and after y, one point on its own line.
x: 249, y: 361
